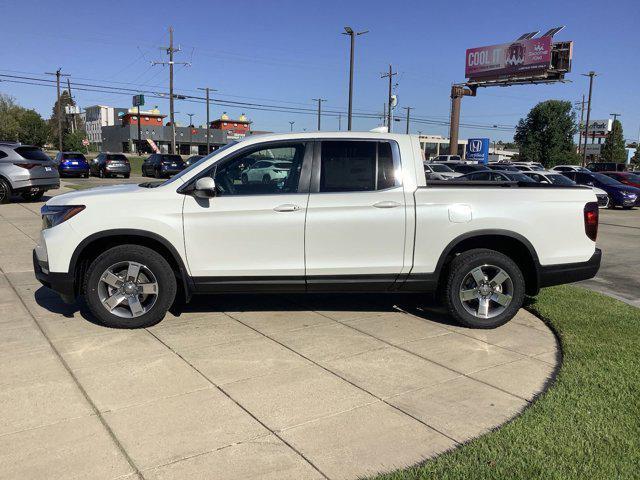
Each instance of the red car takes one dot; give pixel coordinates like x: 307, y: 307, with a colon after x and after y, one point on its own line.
x: 628, y: 178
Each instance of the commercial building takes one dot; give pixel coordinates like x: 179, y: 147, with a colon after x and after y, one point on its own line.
x: 434, y: 145
x: 155, y: 136
x: 98, y: 116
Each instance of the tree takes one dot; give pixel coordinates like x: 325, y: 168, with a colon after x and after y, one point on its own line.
x: 72, y: 142
x: 613, y: 149
x: 546, y: 134
x: 21, y: 125
x: 65, y: 120
x: 636, y: 156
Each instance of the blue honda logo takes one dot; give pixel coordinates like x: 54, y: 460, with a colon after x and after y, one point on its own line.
x: 475, y: 146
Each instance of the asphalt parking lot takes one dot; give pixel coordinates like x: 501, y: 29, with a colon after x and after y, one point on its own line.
x: 246, y: 387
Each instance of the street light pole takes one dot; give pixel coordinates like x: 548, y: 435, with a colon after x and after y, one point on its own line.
x: 408, y: 109
x: 291, y: 125
x: 352, y: 36
x: 591, y: 74
x: 190, y: 130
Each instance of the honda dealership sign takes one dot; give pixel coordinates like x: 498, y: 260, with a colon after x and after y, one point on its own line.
x: 478, y: 150
x: 516, y: 58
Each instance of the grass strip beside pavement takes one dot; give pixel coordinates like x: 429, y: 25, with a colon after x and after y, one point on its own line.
x: 587, y: 425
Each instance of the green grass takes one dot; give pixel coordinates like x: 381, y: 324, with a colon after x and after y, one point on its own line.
x: 587, y: 425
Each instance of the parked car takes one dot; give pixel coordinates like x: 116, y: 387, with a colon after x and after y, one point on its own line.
x: 628, y: 178
x: 439, y: 171
x: 26, y: 171
x: 496, y: 176
x: 461, y: 167
x: 446, y: 158
x: 72, y: 164
x: 507, y: 167
x: 557, y: 178
x: 110, y: 165
x: 161, y: 165
x: 529, y: 166
x: 266, y: 171
x: 338, y: 222
x: 192, y: 159
x: 570, y: 168
x: 606, y: 167
x: 620, y: 195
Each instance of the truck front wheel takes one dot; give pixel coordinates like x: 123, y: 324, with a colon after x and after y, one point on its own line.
x: 129, y: 286
x: 484, y: 288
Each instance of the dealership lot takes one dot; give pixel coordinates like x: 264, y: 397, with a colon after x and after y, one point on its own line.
x: 239, y: 387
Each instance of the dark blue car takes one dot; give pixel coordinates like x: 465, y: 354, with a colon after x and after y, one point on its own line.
x: 72, y: 164
x: 621, y: 195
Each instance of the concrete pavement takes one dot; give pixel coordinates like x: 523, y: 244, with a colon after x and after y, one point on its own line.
x: 246, y: 387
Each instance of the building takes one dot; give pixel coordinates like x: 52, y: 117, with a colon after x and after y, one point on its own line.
x: 235, y: 128
x: 97, y: 116
x: 434, y: 145
x: 148, y: 118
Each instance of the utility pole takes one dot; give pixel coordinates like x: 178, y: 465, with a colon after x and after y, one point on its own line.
x: 190, y: 130
x: 352, y: 36
x: 73, y: 115
x: 58, y: 73
x: 319, y: 100
x: 591, y: 74
x: 408, y: 109
x: 339, y: 122
x: 581, y: 120
x: 613, y: 133
x: 139, y: 149
x: 207, y: 90
x: 170, y: 51
x: 291, y: 125
x: 389, y: 75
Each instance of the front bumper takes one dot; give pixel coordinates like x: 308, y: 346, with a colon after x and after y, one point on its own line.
x: 62, y: 283
x: 569, y: 272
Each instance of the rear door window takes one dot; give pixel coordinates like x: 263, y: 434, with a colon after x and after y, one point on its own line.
x: 357, y: 166
x: 32, y: 153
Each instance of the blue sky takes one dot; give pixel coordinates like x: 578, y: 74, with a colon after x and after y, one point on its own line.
x: 288, y: 52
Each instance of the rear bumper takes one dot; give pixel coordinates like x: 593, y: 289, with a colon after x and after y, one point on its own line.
x: 62, y: 283
x: 118, y: 170
x: 74, y: 169
x: 570, y: 272
x: 40, y: 183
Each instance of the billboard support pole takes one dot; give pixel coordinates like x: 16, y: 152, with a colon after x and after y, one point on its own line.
x: 591, y: 74
x: 457, y: 92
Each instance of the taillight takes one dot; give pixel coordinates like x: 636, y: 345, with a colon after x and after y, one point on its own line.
x: 591, y: 220
x: 28, y: 166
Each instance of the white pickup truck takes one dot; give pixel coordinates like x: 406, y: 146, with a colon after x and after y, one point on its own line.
x: 326, y: 212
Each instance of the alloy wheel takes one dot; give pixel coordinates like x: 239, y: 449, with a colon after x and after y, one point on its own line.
x: 128, y: 289
x: 486, y: 291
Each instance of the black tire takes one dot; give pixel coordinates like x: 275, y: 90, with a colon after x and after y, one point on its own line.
x: 153, y: 262
x: 459, y: 271
x: 32, y: 196
x: 127, y: 175
x: 244, y: 179
x: 266, y: 179
x: 627, y: 208
x: 86, y: 175
x: 156, y: 173
x: 5, y: 191
x: 101, y: 173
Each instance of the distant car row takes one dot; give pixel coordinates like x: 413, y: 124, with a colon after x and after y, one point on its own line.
x: 612, y: 189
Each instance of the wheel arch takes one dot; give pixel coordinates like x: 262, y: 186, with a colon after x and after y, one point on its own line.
x: 512, y: 244
x: 95, y: 244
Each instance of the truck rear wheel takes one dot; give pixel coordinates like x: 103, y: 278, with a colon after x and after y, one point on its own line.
x: 484, y: 288
x: 129, y: 286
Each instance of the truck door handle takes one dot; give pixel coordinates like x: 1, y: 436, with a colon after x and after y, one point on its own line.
x: 287, y: 207
x: 386, y: 204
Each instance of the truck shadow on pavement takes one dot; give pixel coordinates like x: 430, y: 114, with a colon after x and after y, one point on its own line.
x: 420, y: 306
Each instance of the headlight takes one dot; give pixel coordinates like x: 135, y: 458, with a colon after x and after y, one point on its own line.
x: 630, y: 194
x: 52, y: 216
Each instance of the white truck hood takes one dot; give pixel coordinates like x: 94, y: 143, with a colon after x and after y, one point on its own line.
x: 80, y: 197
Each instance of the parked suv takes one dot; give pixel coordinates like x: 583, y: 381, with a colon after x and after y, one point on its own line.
x: 26, y: 171
x: 266, y: 171
x: 161, y: 165
x: 110, y: 165
x: 354, y: 213
x: 72, y: 163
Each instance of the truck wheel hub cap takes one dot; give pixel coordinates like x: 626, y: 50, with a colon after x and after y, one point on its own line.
x: 128, y: 289
x: 486, y: 291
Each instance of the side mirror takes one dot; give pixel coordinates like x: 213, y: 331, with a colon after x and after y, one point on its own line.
x: 205, y: 187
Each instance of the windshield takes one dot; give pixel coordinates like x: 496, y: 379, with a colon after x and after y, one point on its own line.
x: 605, y: 180
x: 440, y: 168
x: 32, y: 153
x: 519, y: 177
x: 74, y: 156
x: 199, y: 162
x: 115, y: 156
x: 560, y: 180
x: 171, y: 158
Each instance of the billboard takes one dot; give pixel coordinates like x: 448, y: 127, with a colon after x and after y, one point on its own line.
x: 598, y: 128
x: 478, y: 150
x: 519, y: 58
